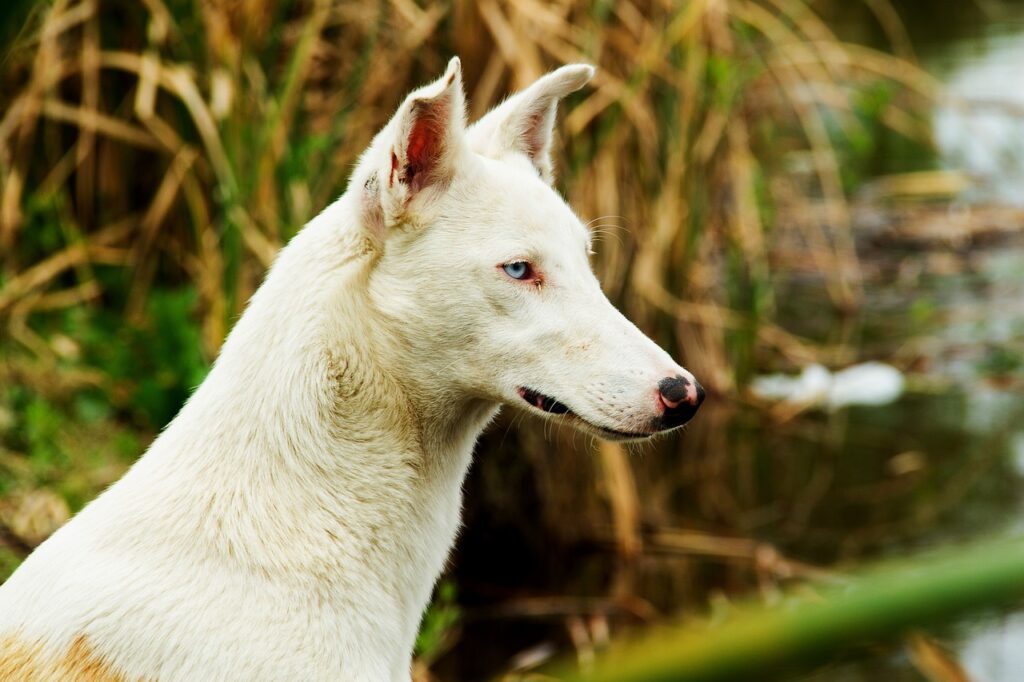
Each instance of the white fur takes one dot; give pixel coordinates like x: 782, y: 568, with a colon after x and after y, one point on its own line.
x: 290, y: 522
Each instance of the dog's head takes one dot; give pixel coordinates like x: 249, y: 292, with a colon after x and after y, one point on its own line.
x: 484, y: 270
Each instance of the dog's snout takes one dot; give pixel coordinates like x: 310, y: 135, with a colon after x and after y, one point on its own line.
x: 681, y: 397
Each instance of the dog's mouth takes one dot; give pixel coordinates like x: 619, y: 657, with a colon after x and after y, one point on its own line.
x: 546, y: 403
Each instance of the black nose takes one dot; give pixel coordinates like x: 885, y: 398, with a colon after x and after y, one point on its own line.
x: 681, y: 398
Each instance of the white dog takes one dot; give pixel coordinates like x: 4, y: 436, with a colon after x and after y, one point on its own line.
x: 291, y: 521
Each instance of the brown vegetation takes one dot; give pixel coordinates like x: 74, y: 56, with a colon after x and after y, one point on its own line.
x: 143, y: 147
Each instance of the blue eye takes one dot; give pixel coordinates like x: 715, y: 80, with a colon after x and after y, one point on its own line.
x: 518, y: 270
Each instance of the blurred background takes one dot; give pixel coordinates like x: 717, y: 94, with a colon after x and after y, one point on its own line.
x: 784, y: 190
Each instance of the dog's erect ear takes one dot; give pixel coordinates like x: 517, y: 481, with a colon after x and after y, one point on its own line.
x: 419, y: 148
x: 524, y: 122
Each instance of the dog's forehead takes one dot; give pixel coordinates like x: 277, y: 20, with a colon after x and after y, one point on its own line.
x: 520, y: 196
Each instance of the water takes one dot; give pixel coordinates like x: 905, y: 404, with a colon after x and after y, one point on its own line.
x: 943, y: 464
x: 967, y: 318
x: 981, y: 128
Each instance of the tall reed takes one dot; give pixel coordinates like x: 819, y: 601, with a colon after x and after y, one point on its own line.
x: 158, y: 145
x: 186, y: 143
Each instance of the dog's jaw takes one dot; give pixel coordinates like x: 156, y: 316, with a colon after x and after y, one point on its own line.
x: 546, y: 404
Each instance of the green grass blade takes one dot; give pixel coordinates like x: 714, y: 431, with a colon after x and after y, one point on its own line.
x: 872, y: 607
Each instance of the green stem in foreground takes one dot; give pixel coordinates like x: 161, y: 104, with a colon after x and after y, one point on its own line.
x: 872, y: 607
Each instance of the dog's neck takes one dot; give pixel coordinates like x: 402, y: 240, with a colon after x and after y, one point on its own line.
x: 300, y: 456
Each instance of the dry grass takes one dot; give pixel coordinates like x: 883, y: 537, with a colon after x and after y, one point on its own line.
x: 662, y: 151
x: 177, y: 148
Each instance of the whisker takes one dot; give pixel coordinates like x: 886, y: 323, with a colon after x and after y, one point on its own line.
x: 605, y: 217
x: 600, y: 233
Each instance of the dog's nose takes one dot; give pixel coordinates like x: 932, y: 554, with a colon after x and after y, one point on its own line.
x: 681, y: 398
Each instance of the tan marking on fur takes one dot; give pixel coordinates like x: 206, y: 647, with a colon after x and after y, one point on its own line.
x: 25, y: 662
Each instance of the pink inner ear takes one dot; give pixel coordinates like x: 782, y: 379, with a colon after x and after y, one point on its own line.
x: 426, y: 141
x: 534, y: 135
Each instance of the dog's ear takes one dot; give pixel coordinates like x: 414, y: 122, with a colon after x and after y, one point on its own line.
x: 524, y: 122
x: 418, y: 150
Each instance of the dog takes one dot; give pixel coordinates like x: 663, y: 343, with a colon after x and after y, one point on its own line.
x: 291, y: 521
